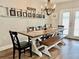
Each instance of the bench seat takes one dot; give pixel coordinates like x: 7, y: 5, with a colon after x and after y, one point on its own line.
x: 50, y: 41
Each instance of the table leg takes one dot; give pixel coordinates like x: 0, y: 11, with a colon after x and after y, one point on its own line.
x: 35, y: 48
x: 45, y: 51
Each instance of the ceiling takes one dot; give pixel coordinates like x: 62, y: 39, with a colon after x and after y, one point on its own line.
x: 59, y: 1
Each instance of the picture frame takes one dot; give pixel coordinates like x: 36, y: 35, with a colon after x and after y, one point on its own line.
x: 40, y: 15
x: 29, y: 14
x: 37, y: 14
x: 24, y: 13
x: 34, y: 15
x: 19, y: 13
x: 12, y: 12
x: 43, y: 16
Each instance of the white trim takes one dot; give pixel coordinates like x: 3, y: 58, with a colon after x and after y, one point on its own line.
x: 73, y: 37
x: 5, y: 47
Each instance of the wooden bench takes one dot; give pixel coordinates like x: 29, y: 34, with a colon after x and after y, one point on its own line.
x: 49, y: 43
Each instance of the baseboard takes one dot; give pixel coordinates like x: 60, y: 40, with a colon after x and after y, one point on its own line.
x: 73, y: 37
x: 5, y: 47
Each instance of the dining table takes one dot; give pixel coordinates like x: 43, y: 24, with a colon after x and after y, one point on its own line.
x: 33, y: 35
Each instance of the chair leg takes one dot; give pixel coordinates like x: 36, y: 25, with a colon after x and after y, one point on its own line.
x: 31, y: 50
x: 24, y: 51
x: 19, y: 54
x: 13, y: 53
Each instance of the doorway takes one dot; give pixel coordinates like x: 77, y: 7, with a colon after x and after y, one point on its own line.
x: 76, y: 25
x: 65, y: 21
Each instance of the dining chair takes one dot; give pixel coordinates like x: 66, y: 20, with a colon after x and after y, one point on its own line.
x: 20, y: 46
x: 61, y: 29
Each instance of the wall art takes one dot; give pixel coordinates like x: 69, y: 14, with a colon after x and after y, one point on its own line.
x: 12, y: 12
x: 34, y: 15
x: 29, y: 14
x: 19, y: 13
x: 43, y: 16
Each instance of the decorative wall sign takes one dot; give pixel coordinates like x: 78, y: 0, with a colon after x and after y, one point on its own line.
x: 12, y: 12
x: 31, y: 9
x: 31, y: 12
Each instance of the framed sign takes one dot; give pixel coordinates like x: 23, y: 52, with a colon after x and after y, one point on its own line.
x: 24, y: 13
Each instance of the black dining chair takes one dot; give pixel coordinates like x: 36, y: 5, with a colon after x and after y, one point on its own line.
x: 20, y: 46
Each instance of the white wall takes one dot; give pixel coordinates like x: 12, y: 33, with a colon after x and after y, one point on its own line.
x: 18, y: 24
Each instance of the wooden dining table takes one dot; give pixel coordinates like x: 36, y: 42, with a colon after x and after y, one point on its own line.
x: 33, y: 35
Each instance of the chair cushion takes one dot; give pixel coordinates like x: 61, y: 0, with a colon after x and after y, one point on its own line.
x: 24, y: 44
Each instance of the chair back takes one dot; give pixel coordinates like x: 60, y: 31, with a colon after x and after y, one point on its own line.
x: 39, y: 28
x: 14, y: 38
x: 29, y: 29
x: 45, y: 27
x: 60, y: 26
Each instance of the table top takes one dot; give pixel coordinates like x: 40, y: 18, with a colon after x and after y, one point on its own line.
x: 34, y: 34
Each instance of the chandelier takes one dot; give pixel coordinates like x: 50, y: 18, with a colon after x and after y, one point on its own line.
x: 49, y: 7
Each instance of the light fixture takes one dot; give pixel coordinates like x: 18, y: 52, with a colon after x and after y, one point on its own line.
x: 49, y: 7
